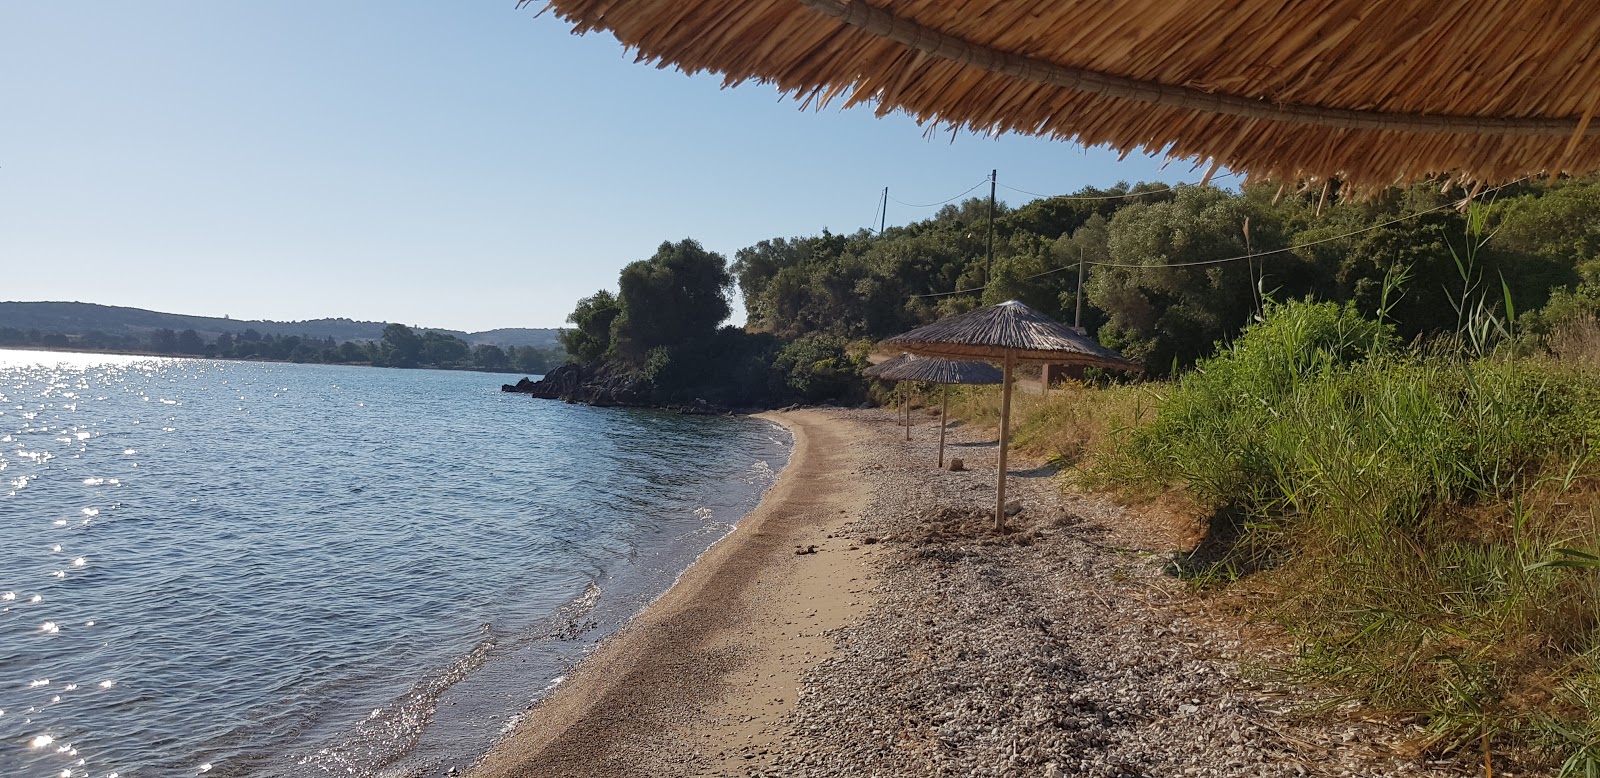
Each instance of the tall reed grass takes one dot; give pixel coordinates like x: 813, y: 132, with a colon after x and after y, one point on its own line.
x: 1404, y: 510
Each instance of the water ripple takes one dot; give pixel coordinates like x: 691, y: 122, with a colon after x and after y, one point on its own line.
x: 282, y: 570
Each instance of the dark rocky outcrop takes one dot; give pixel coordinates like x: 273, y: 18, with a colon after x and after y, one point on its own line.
x: 599, y: 386
x: 585, y: 384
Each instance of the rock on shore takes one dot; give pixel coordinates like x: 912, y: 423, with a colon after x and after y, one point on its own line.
x: 585, y: 384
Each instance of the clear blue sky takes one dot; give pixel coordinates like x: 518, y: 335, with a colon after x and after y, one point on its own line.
x: 461, y: 164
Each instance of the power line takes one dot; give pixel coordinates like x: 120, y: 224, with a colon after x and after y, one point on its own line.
x: 942, y: 202
x: 1353, y: 233
x: 1167, y: 188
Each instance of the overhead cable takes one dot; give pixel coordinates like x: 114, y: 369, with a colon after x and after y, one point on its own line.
x: 1165, y: 188
x: 941, y: 202
x: 1296, y: 247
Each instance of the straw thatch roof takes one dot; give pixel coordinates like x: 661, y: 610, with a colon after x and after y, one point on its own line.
x: 910, y: 367
x: 1373, y: 93
x: 1010, y: 327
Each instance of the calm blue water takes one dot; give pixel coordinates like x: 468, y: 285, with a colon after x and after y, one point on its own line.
x: 229, y: 568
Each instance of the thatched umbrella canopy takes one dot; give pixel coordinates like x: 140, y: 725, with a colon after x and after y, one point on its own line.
x: 910, y: 367
x: 1010, y: 333
x: 1371, y: 93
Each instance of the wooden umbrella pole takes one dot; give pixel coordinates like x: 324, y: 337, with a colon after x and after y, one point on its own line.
x: 907, y: 401
x: 944, y: 421
x: 1005, y: 442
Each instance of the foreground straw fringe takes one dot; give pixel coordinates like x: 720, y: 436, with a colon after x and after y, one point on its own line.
x: 1371, y: 93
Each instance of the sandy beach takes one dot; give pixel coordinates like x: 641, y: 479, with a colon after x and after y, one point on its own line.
x: 914, y: 641
x: 698, y: 682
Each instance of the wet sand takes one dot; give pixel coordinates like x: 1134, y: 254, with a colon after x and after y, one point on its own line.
x: 699, y: 682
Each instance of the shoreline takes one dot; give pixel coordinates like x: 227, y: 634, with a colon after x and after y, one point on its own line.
x: 705, y: 674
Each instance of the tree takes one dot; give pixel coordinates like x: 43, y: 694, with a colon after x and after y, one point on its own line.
x: 164, y: 341
x: 401, y: 346
x: 443, y: 350
x: 189, y: 342
x: 1162, y: 307
x: 591, y: 337
x: 679, y: 294
x: 490, y: 357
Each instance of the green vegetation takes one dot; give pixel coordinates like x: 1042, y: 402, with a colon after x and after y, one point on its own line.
x: 1153, y: 287
x: 399, y: 346
x: 658, y: 340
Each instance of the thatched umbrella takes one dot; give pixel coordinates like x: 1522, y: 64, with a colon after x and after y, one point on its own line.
x: 910, y: 367
x: 1371, y: 93
x: 1009, y: 333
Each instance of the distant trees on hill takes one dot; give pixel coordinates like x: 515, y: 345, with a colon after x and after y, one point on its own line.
x: 400, y: 346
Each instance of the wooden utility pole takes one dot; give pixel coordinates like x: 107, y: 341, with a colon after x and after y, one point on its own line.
x: 988, y: 263
x: 1077, y: 318
x: 883, y: 219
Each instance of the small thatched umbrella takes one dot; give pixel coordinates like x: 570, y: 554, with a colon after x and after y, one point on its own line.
x: 1008, y: 333
x: 909, y: 367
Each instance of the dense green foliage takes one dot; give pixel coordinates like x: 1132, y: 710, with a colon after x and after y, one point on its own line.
x: 662, y: 328
x: 1157, y: 293
x: 1153, y: 287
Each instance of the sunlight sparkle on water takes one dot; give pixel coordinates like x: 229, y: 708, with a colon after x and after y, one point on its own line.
x: 42, y: 741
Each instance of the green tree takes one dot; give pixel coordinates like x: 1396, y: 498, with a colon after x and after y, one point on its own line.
x: 1161, y: 307
x: 164, y: 341
x: 442, y: 350
x: 679, y: 294
x: 590, y: 338
x: 401, y: 346
x: 490, y: 357
x: 189, y: 342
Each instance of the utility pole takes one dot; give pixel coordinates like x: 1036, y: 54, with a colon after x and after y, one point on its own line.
x: 988, y: 263
x: 884, y: 217
x: 1077, y: 318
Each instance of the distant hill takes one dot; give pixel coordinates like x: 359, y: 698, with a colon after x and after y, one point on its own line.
x: 79, y: 318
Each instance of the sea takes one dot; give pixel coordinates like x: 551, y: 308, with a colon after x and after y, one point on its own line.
x: 259, y: 569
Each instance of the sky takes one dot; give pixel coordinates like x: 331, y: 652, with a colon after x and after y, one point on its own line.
x: 465, y: 165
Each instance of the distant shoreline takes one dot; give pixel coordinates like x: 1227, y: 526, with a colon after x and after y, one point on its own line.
x: 125, y: 353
